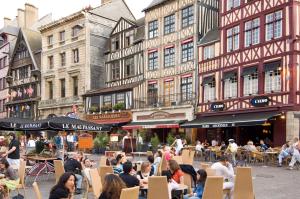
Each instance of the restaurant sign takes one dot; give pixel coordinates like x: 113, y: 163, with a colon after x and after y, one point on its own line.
x: 123, y: 116
x: 260, y: 101
x: 219, y: 125
x: 217, y: 106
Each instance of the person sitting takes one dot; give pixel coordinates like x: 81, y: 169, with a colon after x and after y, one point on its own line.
x: 199, y: 148
x: 117, y: 170
x: 250, y: 146
x: 176, y: 172
x: 150, y: 158
x: 224, y: 168
x: 263, y: 146
x: 11, y: 179
x: 120, y: 159
x: 166, y: 152
x: 87, y: 167
x: 223, y: 146
x: 172, y: 185
x: 65, y: 187
x: 128, y: 179
x: 112, y: 187
x: 145, y: 172
x: 74, y: 166
x: 284, y: 153
x: 198, y: 191
x: 296, y: 153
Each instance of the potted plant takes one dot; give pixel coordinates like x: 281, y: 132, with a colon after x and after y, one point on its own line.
x: 106, y: 108
x: 154, y: 142
x: 96, y: 143
x: 170, y: 139
x: 100, y: 143
x: 94, y: 109
x: 119, y: 106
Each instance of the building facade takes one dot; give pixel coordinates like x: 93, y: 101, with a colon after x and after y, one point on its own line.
x: 172, y: 30
x: 249, y: 73
x: 124, y: 69
x: 73, y: 56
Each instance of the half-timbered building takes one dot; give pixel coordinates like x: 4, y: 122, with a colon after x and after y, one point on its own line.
x: 124, y: 69
x: 172, y: 30
x: 249, y: 73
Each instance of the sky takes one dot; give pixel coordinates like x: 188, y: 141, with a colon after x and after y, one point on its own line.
x: 62, y: 8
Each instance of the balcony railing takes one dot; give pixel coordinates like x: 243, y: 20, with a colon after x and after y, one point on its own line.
x: 59, y: 102
x: 171, y: 100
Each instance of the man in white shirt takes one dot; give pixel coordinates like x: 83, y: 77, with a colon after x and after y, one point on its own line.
x: 296, y: 154
x: 232, y: 149
x: 70, y: 141
x: 224, y: 168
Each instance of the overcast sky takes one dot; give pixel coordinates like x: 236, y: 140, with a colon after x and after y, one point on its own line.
x: 61, y: 8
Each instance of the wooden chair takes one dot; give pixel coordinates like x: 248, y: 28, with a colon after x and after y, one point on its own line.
x: 58, y: 169
x: 243, y: 187
x: 96, y: 183
x: 102, y: 161
x: 156, y: 183
x: 162, y: 166
x: 21, y: 171
x: 187, y: 180
x: 132, y: 193
x: 103, y: 170
x: 210, y: 172
x: 204, y: 166
x: 178, y: 159
x: 188, y: 156
x: 37, y: 190
x: 213, y: 188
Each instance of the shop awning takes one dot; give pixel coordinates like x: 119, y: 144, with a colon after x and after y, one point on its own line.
x: 154, y: 125
x: 248, y: 119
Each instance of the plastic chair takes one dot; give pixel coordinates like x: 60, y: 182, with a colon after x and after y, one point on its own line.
x: 37, y: 190
x: 156, y: 183
x: 213, y: 188
x: 132, y: 193
x: 103, y: 170
x: 243, y: 187
x: 96, y: 182
x: 58, y: 169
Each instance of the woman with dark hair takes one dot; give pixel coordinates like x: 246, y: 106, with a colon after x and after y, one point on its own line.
x: 10, y: 180
x: 176, y: 172
x: 112, y: 187
x: 198, y: 191
x: 65, y: 187
x: 7, y: 170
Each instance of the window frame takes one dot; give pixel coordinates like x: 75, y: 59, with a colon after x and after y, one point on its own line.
x: 62, y: 87
x: 50, y: 89
x: 62, y: 36
x: 187, y: 51
x: 252, y: 32
x: 229, y: 90
x: 231, y: 4
x: 169, y: 57
x: 153, y: 29
x: 50, y: 62
x: 188, y: 19
x: 233, y: 38
x: 50, y: 40
x: 252, y: 81
x: 129, y: 65
x: 75, y: 55
x: 272, y: 23
x: 115, y: 70
x: 275, y: 85
x: 209, y: 95
x: 153, y: 60
x: 186, y: 88
x: 75, y: 82
x: 169, y: 24
x: 62, y: 58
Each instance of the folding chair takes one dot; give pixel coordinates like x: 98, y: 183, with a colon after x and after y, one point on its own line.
x: 213, y: 188
x: 243, y: 187
x: 103, y: 170
x: 156, y: 183
x: 96, y: 183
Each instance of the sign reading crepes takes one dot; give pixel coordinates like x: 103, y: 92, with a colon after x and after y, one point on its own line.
x: 217, y: 106
x: 85, y: 141
x: 260, y: 101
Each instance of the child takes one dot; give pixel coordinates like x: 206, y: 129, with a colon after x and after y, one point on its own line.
x: 198, y: 191
x: 172, y: 185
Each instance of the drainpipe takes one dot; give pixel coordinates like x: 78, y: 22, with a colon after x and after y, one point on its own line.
x: 196, y: 59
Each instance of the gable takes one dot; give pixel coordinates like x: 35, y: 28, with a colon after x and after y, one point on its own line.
x: 122, y: 24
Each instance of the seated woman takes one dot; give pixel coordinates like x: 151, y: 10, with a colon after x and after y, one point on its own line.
x: 87, y: 167
x: 112, y: 187
x: 145, y: 172
x: 198, y: 191
x: 176, y: 172
x: 116, y: 169
x: 11, y: 179
x: 65, y: 187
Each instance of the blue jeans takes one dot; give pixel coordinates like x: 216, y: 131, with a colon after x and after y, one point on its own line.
x: 79, y: 181
x: 190, y: 197
x: 282, y: 155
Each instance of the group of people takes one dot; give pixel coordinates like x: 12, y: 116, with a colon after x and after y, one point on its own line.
x: 290, y: 149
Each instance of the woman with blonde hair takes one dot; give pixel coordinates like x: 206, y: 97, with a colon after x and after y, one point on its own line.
x: 112, y: 187
x: 145, y: 172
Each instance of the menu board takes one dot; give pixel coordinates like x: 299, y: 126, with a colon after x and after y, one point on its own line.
x: 85, y: 141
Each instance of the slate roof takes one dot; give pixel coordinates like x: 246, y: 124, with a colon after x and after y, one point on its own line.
x: 140, y: 32
x: 210, y: 36
x: 153, y: 4
x: 10, y: 30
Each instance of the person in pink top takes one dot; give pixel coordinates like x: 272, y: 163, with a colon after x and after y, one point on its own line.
x: 167, y: 153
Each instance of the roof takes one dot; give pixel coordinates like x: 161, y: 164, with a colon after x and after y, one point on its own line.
x: 12, y: 30
x: 153, y: 4
x: 34, y: 39
x: 210, y: 36
x: 112, y: 89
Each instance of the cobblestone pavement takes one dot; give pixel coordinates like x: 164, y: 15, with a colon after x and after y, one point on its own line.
x: 269, y: 183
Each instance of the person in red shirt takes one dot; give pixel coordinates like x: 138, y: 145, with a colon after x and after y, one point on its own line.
x: 177, y: 174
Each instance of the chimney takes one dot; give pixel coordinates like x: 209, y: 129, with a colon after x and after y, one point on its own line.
x: 21, y: 18
x: 31, y: 15
x: 105, y: 1
x: 7, y: 21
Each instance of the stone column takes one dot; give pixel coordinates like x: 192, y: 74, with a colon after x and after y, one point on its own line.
x: 292, y: 125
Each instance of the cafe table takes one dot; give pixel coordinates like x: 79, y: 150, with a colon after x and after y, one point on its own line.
x: 41, y: 166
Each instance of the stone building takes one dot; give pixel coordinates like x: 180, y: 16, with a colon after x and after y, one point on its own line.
x: 73, y: 60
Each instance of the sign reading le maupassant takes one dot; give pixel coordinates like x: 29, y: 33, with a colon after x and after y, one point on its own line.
x: 217, y: 106
x: 260, y: 101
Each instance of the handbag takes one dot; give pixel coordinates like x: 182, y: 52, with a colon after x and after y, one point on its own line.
x: 19, y: 196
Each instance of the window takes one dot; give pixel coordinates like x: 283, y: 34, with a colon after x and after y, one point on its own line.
x: 50, y: 40
x: 63, y: 59
x: 62, y: 36
x: 1, y: 85
x: 153, y: 29
x: 75, y: 86
x: 153, y: 60
x: 76, y: 55
x: 233, y: 35
x: 169, y: 23
x: 115, y: 70
x: 129, y: 67
x: 120, y: 98
x: 252, y: 32
x: 187, y: 51
x: 232, y: 4
x: 50, y: 62
x: 50, y: 86
x: 272, y: 81
x: 210, y: 90
x: 24, y: 72
x: 186, y: 88
x: 115, y: 43
x: 209, y: 52
x: 168, y: 92
x: 169, y: 57
x: 273, y: 25
x: 62, y: 88
x: 129, y: 38
x: 75, y: 31
x: 107, y: 101
x: 250, y: 84
x: 152, y: 94
x: 230, y: 87
x: 187, y: 16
